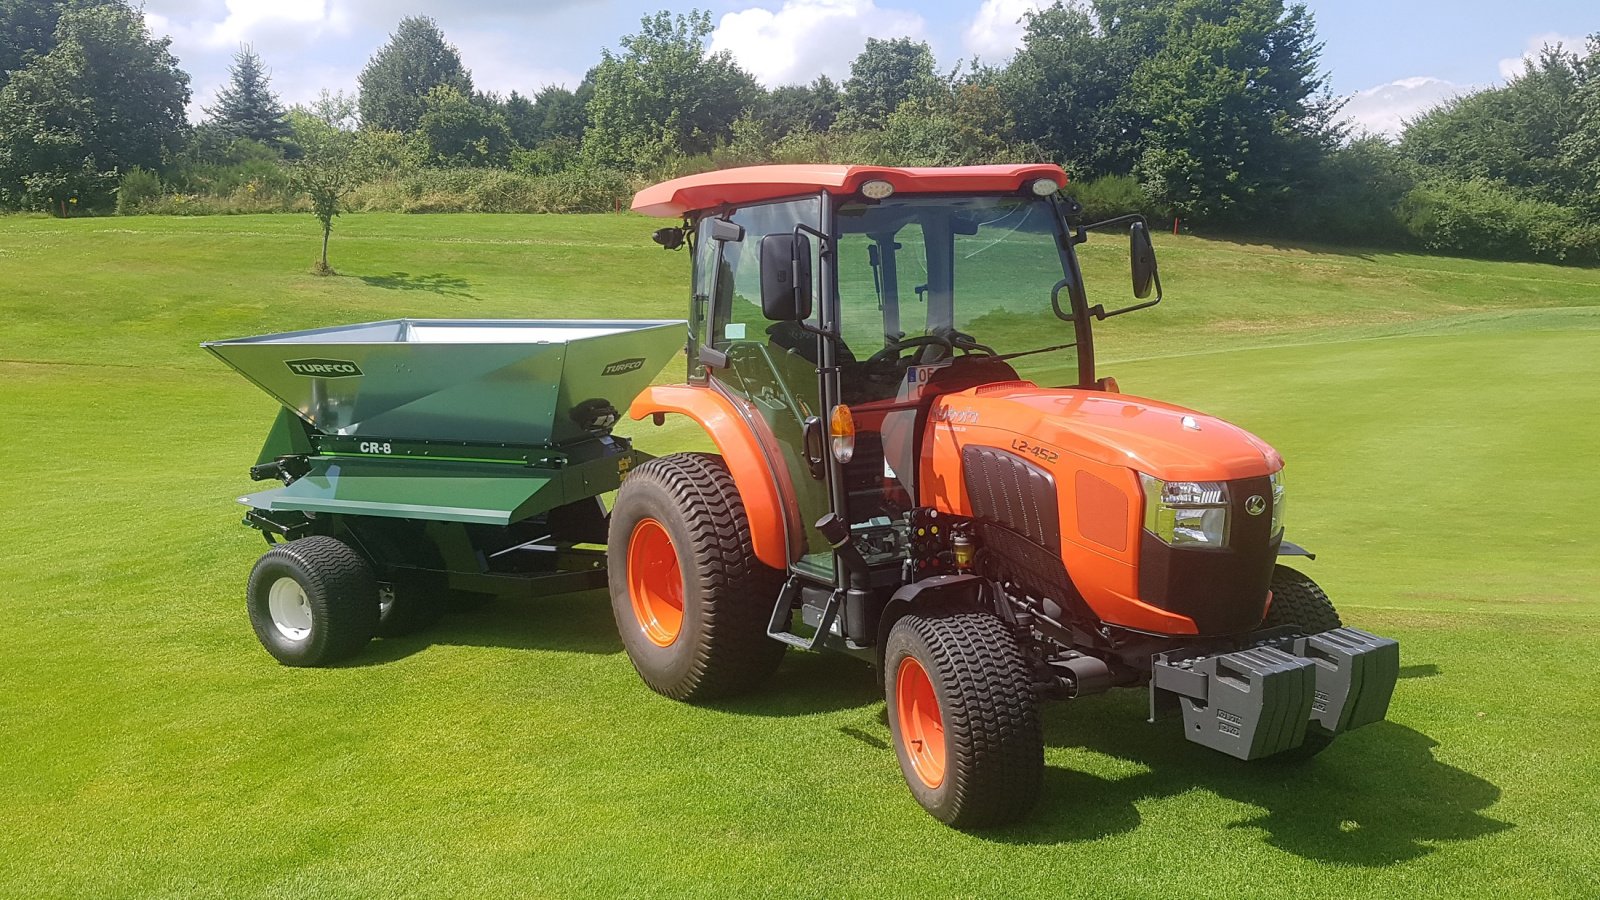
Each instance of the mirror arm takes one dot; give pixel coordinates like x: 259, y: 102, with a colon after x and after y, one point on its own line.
x: 1099, y: 310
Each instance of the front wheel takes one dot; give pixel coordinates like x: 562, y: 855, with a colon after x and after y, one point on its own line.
x: 1298, y: 601
x: 964, y: 717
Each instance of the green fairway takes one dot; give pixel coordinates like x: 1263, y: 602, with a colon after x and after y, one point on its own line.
x: 1440, y: 418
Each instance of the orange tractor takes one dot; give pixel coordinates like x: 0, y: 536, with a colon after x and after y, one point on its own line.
x: 919, y: 465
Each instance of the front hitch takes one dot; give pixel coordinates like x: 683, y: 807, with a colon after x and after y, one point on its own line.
x: 1262, y: 700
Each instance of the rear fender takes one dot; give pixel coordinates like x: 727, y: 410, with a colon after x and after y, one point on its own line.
x: 742, y: 453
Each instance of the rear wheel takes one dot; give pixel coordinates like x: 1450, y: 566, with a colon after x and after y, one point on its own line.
x: 1300, y: 602
x: 690, y: 599
x: 312, y: 601
x: 964, y: 717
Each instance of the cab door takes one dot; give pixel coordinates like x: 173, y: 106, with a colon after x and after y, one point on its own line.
x: 768, y: 368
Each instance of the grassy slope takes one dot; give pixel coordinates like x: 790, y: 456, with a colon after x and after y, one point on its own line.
x: 1437, y: 415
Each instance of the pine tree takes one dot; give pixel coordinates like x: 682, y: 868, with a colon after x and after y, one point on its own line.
x: 247, y: 107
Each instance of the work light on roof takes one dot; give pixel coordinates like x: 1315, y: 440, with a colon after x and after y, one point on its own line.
x: 877, y: 189
x: 1043, y: 187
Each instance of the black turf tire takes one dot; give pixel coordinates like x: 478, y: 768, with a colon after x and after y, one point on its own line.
x: 416, y: 605
x: 722, y: 647
x: 1297, y: 601
x: 340, y: 593
x: 994, y: 741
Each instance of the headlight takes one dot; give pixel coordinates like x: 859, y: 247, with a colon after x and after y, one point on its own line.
x: 1186, y: 513
x: 1277, y: 503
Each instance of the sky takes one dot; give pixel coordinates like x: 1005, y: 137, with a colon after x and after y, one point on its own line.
x: 1392, y: 59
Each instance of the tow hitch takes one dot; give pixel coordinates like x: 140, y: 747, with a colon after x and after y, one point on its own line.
x: 1260, y: 701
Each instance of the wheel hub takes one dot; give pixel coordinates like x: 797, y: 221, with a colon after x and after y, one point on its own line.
x: 655, y: 582
x: 290, y: 609
x: 921, y: 722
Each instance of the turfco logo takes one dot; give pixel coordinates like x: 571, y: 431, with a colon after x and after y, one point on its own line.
x: 622, y: 366
x: 323, y: 368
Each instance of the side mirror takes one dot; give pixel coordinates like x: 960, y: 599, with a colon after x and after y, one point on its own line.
x: 786, y: 277
x: 1143, y: 256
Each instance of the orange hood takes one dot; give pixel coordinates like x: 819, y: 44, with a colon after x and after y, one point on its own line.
x: 1169, y: 442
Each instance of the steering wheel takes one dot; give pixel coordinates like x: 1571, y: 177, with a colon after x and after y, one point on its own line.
x: 892, y: 351
x: 966, y: 343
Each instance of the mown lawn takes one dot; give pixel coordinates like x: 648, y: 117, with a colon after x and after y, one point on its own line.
x: 1438, y: 415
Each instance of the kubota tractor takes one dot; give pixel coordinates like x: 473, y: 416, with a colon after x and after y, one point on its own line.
x: 918, y: 464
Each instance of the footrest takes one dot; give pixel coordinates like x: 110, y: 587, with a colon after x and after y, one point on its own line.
x: 1257, y: 702
x: 1356, y: 673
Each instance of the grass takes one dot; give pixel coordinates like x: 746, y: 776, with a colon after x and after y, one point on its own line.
x: 1438, y: 416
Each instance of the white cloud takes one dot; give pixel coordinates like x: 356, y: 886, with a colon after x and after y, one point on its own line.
x: 1385, y: 108
x: 1513, y: 66
x: 805, y: 38
x: 995, y: 32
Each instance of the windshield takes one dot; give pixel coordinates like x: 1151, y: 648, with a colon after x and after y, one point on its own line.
x: 924, y: 280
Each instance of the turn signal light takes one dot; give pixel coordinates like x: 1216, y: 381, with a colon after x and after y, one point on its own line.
x: 842, y: 433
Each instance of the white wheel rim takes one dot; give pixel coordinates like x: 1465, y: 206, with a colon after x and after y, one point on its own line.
x: 290, y: 609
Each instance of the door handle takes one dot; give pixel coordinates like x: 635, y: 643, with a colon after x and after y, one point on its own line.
x: 815, y: 447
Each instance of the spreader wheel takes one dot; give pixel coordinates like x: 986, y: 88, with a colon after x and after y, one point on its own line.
x: 690, y: 599
x: 964, y: 717
x: 409, y: 605
x: 312, y: 601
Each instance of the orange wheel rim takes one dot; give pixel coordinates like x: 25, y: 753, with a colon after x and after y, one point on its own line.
x: 921, y: 723
x: 655, y: 583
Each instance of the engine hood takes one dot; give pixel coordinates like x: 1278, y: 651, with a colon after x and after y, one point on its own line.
x: 1169, y: 442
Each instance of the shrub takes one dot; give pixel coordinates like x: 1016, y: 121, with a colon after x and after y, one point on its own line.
x: 1115, y: 195
x: 138, y: 187
x: 1480, y: 218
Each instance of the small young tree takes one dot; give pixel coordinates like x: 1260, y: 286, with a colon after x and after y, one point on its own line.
x: 246, y: 107
x: 333, y: 160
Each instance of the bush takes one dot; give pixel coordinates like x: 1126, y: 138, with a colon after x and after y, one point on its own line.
x: 1115, y: 195
x: 497, y: 191
x: 138, y: 187
x: 1480, y: 218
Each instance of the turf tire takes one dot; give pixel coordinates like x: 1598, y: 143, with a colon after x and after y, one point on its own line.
x: 415, y: 605
x: 994, y: 741
x: 1298, y: 601
x: 340, y: 594
x: 721, y: 647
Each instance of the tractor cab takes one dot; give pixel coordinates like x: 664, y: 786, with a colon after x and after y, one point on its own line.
x: 836, y: 303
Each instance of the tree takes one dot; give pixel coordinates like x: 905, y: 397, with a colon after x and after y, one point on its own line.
x: 107, y: 97
x: 246, y: 107
x: 455, y: 131
x: 1063, y: 89
x: 886, y: 74
x: 333, y: 161
x: 1513, y: 135
x: 562, y: 113
x: 28, y: 29
x: 663, y: 95
x: 802, y: 107
x: 399, y: 76
x: 1580, y: 150
x: 1236, y: 112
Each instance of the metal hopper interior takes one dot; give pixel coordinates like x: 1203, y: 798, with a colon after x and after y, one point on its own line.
x: 477, y: 380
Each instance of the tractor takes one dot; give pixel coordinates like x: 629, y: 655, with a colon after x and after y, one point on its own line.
x: 917, y: 464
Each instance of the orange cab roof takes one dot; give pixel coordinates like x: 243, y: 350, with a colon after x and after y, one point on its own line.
x: 753, y: 184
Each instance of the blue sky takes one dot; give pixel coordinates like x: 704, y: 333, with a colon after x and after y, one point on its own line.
x: 1392, y: 58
